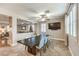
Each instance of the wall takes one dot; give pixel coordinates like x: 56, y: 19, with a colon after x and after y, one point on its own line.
x: 18, y: 36
x: 15, y: 35
x: 73, y: 46
x: 56, y: 34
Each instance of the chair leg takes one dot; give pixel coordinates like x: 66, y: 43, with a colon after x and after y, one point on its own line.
x: 25, y: 48
x: 44, y: 49
x: 40, y: 52
x: 48, y: 43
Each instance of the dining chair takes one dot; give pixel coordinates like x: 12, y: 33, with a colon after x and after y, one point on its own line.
x: 45, y: 44
x: 33, y: 39
x: 42, y: 44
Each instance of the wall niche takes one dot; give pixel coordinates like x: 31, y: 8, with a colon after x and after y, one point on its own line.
x: 23, y: 26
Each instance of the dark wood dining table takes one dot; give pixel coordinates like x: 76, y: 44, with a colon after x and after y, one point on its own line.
x: 31, y: 44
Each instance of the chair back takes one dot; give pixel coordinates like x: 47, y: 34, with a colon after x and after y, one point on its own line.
x: 33, y: 39
x: 42, y: 40
x: 41, y: 44
x: 44, y: 37
x: 45, y: 40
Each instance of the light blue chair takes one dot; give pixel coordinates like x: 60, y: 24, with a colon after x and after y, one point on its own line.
x: 43, y: 36
x: 46, y: 40
x: 33, y: 39
x: 43, y: 42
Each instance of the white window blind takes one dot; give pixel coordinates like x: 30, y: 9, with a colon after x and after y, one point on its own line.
x: 43, y: 27
x: 74, y: 21
x: 70, y: 22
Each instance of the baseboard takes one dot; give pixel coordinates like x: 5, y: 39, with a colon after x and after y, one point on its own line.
x: 71, y: 51
x: 13, y: 44
x: 58, y: 39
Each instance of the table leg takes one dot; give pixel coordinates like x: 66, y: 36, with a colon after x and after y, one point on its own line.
x: 25, y: 47
x: 32, y: 50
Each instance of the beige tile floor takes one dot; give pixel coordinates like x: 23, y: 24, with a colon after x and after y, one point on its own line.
x: 56, y: 48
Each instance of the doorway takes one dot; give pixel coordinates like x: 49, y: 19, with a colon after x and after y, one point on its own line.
x: 5, y: 30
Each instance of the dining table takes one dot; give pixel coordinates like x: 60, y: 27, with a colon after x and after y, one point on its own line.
x: 31, y: 44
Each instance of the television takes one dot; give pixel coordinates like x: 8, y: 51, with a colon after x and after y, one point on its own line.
x: 54, y: 26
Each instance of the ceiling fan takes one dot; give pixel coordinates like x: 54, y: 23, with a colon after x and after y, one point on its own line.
x: 44, y: 16
x: 41, y: 17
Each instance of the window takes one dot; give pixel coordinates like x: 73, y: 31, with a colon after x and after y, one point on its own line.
x: 74, y: 21
x: 70, y: 22
x: 43, y: 27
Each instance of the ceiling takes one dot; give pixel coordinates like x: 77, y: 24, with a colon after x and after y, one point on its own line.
x: 31, y: 10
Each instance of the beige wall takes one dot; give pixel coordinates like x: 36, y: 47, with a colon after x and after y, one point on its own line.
x: 73, y: 46
x: 57, y: 34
